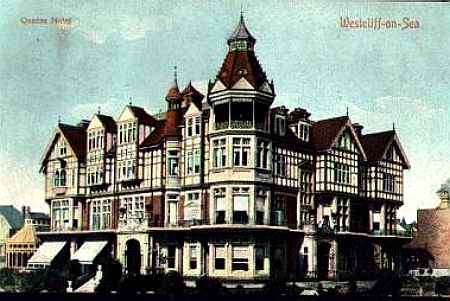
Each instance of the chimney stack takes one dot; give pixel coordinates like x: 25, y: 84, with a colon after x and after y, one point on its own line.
x: 358, y: 128
x: 445, y: 199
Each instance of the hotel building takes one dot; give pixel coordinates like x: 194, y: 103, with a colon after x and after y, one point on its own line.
x: 225, y: 185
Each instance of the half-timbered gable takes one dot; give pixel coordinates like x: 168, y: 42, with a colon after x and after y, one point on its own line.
x: 134, y: 125
x: 64, y: 169
x: 382, y: 178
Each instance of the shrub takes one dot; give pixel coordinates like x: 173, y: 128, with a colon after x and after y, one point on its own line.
x: 173, y: 283
x: 443, y: 285
x: 275, y: 287
x: 208, y: 286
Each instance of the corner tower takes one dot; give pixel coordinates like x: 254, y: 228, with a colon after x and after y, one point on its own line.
x: 241, y: 94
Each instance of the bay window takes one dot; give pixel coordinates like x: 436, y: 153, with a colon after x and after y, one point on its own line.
x: 173, y: 163
x: 219, y: 257
x: 262, y: 154
x: 172, y: 202
x: 219, y: 199
x: 240, y: 258
x: 240, y: 205
x: 260, y: 203
x: 219, y: 153
x: 241, y: 151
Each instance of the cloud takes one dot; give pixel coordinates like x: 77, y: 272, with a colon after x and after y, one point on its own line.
x: 127, y: 26
x: 22, y: 184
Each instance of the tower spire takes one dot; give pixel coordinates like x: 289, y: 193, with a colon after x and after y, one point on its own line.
x: 175, y: 78
x: 241, y: 38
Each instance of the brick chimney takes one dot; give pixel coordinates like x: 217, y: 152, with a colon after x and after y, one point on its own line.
x: 445, y: 199
x: 358, y: 129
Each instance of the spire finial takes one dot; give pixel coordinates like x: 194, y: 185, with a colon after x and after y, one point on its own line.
x: 347, y: 112
x: 98, y: 110
x: 130, y: 101
x: 242, y: 11
x: 175, y: 75
x: 59, y: 118
x: 393, y: 126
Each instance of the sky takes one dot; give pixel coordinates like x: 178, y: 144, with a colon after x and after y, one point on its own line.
x: 112, y: 51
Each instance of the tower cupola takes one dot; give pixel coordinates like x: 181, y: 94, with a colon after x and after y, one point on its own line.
x: 241, y: 39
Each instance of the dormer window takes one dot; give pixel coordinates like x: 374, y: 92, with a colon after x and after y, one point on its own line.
x: 304, y: 131
x: 280, y: 125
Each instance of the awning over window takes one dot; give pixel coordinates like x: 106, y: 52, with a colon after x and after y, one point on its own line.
x: 89, y: 251
x: 46, y: 253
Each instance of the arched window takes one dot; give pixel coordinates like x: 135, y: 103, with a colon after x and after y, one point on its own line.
x: 62, y: 178
x: 56, y: 179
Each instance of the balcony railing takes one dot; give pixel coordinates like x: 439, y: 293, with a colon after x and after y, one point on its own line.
x: 237, y: 124
x: 391, y: 233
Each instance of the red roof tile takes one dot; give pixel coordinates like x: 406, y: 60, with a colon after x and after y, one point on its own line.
x: 143, y: 116
x: 108, y: 122
x: 191, y: 94
x: 375, y: 145
x: 76, y: 137
x: 167, y: 128
x: 324, y: 132
x: 239, y: 64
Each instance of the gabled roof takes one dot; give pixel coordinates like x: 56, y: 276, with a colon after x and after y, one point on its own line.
x: 37, y: 215
x: 239, y: 64
x: 12, y: 215
x: 377, y: 144
x: 24, y: 235
x: 194, y: 94
x: 143, y: 116
x: 108, y: 123
x: 325, y: 133
x: 167, y: 128
x: 76, y: 137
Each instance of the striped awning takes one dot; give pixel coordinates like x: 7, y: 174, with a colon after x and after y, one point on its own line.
x: 45, y: 254
x: 87, y: 253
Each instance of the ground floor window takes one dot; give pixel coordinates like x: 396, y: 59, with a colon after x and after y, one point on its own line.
x: 240, y: 258
x: 219, y: 257
x: 259, y: 258
x: 193, y: 257
x: 171, y: 257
